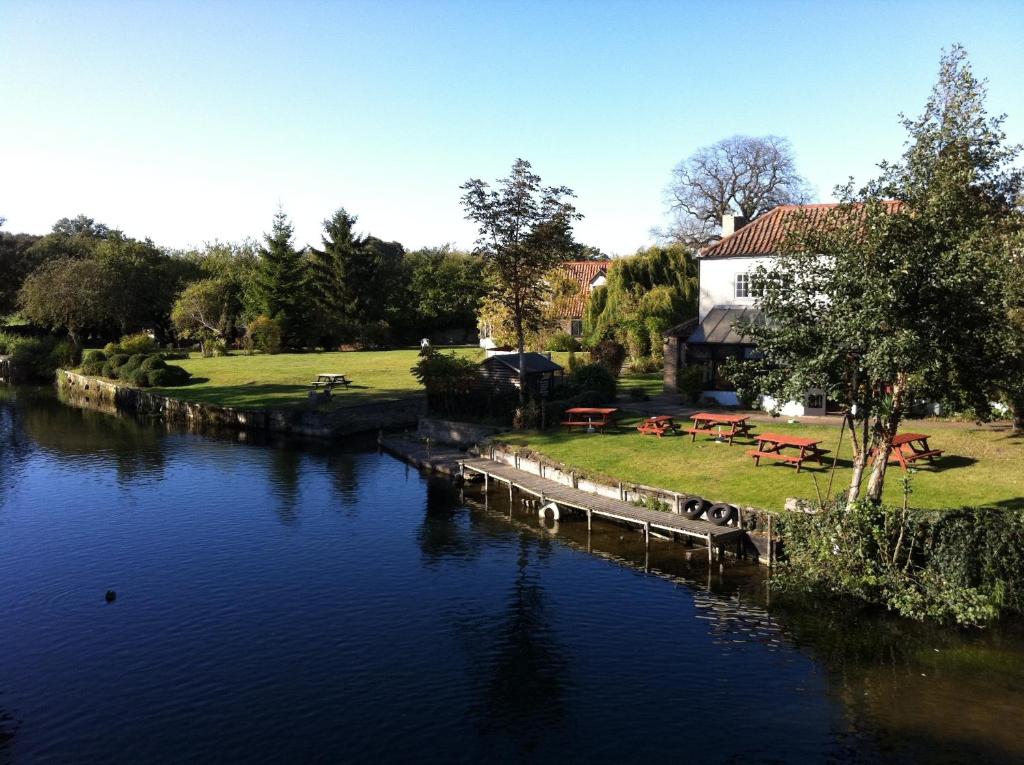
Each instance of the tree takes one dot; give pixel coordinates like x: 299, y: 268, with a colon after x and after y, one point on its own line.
x: 1012, y: 384
x: 445, y: 288
x: 643, y: 296
x: 740, y: 174
x: 280, y: 281
x: 525, y: 230
x: 895, y: 295
x: 69, y: 294
x: 328, y: 267
x: 207, y: 309
x: 17, y: 261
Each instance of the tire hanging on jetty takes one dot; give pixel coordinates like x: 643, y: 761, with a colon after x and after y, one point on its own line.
x: 694, y: 507
x: 721, y: 513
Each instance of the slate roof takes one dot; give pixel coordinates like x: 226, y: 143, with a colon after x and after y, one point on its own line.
x: 719, y: 326
x: 764, y: 235
x: 535, y: 362
x: 583, y: 272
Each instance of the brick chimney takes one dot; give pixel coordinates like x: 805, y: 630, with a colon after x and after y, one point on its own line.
x: 731, y: 224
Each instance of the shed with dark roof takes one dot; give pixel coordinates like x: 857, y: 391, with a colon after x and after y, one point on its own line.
x: 502, y: 370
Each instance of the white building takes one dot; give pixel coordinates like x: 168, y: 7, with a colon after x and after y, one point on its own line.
x: 726, y: 298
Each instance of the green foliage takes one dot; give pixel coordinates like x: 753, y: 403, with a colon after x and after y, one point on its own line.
x: 562, y: 342
x: 265, y: 334
x: 208, y: 309
x: 610, y: 353
x: 594, y: 378
x: 643, y: 296
x: 138, y: 343
x: 525, y: 230
x: 73, y: 295
x: 453, y: 388
x: 166, y: 377
x: 37, y: 358
x: 281, y: 284
x: 960, y: 566
x: 691, y: 383
x: 445, y: 289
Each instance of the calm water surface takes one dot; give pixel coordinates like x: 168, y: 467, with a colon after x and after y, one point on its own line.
x: 280, y: 602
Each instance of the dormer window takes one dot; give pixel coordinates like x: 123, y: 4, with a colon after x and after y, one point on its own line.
x: 742, y: 285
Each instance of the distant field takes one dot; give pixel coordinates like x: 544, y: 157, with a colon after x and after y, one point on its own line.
x: 283, y: 380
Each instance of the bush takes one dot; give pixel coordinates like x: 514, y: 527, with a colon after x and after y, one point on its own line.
x: 611, y: 354
x: 645, y: 364
x: 112, y: 349
x: 167, y: 377
x: 128, y: 368
x: 92, y: 362
x: 563, y: 342
x: 66, y: 355
x: 152, y: 362
x: 174, y: 355
x: 138, y: 343
x: 956, y: 566
x: 691, y: 383
x: 374, y: 335
x: 32, y: 358
x: 265, y: 334
x: 594, y: 378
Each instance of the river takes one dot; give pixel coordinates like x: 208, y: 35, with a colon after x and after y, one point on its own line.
x: 278, y: 601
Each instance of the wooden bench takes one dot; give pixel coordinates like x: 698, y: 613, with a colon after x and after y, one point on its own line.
x: 591, y: 418
x: 658, y: 426
x: 770, y: 446
x: 908, y: 448
x: 758, y: 455
x: 595, y: 424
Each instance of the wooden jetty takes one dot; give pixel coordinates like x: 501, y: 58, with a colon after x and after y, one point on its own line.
x: 555, y: 496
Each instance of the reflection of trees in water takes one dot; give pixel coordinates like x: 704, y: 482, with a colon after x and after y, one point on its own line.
x: 285, y: 463
x: 134, y: 447
x: 341, y: 466
x: 8, y: 727
x: 524, y: 667
x: 15, y: 445
x: 445, y: 534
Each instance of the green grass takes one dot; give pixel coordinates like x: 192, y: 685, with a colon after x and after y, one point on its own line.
x: 981, y: 466
x: 282, y: 380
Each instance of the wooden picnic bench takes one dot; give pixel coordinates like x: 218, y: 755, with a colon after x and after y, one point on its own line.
x: 591, y: 418
x: 705, y: 422
x: 908, y: 448
x: 770, y: 446
x: 329, y: 381
x: 658, y: 426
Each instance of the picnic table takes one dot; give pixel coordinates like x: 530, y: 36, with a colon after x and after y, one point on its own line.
x: 705, y: 422
x: 591, y: 418
x: 658, y: 426
x: 770, y: 446
x: 908, y: 448
x: 329, y: 380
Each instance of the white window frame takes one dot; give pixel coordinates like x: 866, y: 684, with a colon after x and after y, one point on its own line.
x: 744, y: 280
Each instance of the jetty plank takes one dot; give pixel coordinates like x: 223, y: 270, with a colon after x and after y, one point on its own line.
x: 586, y: 502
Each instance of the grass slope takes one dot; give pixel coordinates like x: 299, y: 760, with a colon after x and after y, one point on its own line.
x: 981, y: 466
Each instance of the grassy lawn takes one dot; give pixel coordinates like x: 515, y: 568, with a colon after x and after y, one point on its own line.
x: 283, y: 380
x: 980, y: 466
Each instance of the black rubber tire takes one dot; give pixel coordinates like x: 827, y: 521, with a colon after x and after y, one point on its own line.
x: 694, y: 507
x: 721, y: 513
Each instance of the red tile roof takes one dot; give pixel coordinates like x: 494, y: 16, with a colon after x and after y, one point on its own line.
x: 765, y: 234
x: 583, y: 272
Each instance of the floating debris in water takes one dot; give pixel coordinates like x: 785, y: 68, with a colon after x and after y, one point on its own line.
x: 111, y: 596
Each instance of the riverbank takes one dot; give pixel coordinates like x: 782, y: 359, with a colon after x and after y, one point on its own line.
x: 113, y: 398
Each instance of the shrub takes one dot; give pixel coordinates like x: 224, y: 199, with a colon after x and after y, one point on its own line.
x: 373, y: 335
x: 957, y: 566
x: 174, y: 355
x: 611, y: 354
x: 152, y: 362
x: 138, y: 343
x: 167, y: 377
x: 114, y: 363
x: 32, y: 358
x: 594, y: 378
x: 563, y: 342
x: 92, y: 362
x: 645, y: 364
x: 265, y: 334
x: 691, y: 383
x: 128, y: 368
x: 66, y: 354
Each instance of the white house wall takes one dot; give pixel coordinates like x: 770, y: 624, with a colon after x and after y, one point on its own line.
x: 718, y: 281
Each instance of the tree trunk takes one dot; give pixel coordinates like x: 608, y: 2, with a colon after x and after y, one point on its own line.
x: 521, y: 347
x: 887, y: 428
x: 860, y: 458
x: 1017, y: 408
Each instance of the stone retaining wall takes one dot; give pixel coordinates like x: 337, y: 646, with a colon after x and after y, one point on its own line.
x: 461, y: 434
x: 102, y: 395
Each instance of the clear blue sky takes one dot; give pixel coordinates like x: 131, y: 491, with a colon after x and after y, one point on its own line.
x: 192, y: 121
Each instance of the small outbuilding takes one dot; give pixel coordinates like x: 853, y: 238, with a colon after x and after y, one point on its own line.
x: 542, y: 374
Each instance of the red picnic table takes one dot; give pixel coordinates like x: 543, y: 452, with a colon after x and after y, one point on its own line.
x: 591, y: 418
x: 770, y: 446
x: 658, y: 426
x: 703, y: 422
x: 908, y: 448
